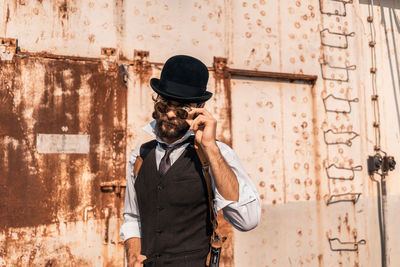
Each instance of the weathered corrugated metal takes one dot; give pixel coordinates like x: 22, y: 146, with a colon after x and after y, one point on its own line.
x: 304, y: 144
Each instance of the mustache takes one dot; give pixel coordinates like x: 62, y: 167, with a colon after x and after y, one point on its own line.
x: 163, y: 118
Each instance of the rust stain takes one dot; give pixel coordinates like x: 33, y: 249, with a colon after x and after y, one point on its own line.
x: 223, y: 77
x: 320, y: 260
x: 92, y: 38
x: 142, y: 66
x: 8, y: 14
x: 63, y: 10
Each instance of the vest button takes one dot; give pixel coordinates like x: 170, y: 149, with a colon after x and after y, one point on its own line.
x: 157, y: 255
x: 160, y: 187
x: 159, y: 232
x: 160, y: 208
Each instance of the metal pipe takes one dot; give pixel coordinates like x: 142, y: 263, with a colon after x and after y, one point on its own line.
x: 53, y: 56
x: 385, y: 255
x: 381, y: 225
x: 274, y: 75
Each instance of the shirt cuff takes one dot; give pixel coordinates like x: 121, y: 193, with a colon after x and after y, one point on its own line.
x: 130, y: 229
x: 246, y: 195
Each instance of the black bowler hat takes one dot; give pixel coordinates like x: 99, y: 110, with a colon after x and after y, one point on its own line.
x: 183, y: 79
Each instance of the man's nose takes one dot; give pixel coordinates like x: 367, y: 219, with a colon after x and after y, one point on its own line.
x: 171, y: 114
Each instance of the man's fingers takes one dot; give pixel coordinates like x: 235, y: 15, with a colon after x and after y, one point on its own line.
x: 189, y: 121
x: 141, y: 258
x: 198, y: 122
x: 139, y: 261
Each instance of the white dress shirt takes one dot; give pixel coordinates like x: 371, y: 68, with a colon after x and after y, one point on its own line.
x: 244, y: 214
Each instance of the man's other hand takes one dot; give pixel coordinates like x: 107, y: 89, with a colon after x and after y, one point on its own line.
x: 133, y: 256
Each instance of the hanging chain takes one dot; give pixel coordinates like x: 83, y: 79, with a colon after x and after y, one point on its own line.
x: 373, y: 70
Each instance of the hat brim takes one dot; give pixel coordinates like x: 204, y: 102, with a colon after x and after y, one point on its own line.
x: 154, y: 83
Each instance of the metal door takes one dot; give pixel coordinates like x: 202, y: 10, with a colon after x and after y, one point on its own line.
x: 308, y: 212
x: 62, y: 156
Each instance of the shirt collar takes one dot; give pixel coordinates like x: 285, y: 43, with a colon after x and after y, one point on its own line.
x: 150, y: 128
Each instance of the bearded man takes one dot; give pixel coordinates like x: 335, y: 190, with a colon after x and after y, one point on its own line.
x: 166, y: 210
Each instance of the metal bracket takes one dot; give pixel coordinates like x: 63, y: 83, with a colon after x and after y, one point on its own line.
x: 109, y: 57
x: 331, y: 75
x: 8, y: 48
x: 346, y: 197
x: 377, y: 162
x: 338, y: 141
x: 108, y: 52
x: 341, y: 172
x: 331, y: 98
x: 345, y: 246
x: 388, y: 164
x: 113, y: 187
x: 220, y: 66
x: 337, y: 11
x: 141, y: 62
x: 332, y: 39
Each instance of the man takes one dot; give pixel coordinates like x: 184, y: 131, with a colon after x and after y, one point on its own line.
x: 166, y: 212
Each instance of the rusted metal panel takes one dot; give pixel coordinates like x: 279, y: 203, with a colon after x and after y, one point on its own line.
x: 52, y: 201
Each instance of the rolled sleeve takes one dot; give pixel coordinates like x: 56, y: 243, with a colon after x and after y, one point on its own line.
x: 131, y: 226
x: 245, y: 213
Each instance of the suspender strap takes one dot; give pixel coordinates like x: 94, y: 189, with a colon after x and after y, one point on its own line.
x: 216, y: 239
x: 144, y: 150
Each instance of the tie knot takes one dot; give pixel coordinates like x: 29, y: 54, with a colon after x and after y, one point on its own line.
x: 168, y: 148
x: 165, y: 163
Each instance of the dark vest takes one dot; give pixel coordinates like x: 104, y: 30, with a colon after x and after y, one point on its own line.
x: 173, y: 209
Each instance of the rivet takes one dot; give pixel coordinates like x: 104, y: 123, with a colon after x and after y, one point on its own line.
x: 372, y: 43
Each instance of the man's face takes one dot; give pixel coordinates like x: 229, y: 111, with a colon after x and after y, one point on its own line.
x: 169, y: 124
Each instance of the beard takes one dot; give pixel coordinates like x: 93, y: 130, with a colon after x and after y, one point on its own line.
x: 169, y: 128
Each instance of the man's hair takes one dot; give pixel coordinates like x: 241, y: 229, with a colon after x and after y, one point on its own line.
x: 155, y: 97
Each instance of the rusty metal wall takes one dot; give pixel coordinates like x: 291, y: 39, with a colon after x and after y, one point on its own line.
x: 305, y: 145
x: 53, y: 200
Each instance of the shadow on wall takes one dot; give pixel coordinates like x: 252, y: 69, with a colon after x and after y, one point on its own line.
x: 390, y: 18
